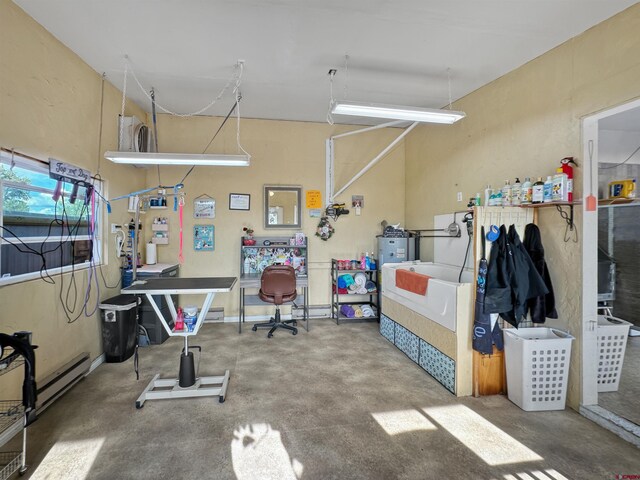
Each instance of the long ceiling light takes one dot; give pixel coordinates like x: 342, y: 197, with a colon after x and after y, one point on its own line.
x: 395, y: 112
x: 152, y: 158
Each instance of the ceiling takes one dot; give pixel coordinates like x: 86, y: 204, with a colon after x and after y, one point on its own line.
x: 399, y: 51
x: 627, y: 121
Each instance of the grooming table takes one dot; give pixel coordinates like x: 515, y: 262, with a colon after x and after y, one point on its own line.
x: 186, y: 385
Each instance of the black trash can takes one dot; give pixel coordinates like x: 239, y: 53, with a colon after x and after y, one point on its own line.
x: 119, y: 327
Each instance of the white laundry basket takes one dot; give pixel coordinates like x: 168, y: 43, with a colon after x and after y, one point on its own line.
x: 537, y: 362
x: 612, y: 343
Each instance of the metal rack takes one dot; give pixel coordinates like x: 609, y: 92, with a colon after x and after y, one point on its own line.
x: 372, y: 301
x: 12, y: 420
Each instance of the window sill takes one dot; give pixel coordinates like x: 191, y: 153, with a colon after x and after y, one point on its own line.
x: 28, y: 277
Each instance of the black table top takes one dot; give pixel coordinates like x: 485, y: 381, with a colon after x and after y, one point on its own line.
x: 173, y: 285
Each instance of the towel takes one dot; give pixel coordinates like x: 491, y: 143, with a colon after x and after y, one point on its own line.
x: 347, y: 311
x: 344, y: 281
x: 357, y: 311
x: 341, y: 291
x: 367, y: 311
x: 360, y: 279
x: 412, y: 281
x: 370, y: 286
x: 352, y: 288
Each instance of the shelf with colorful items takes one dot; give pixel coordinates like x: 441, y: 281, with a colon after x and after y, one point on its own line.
x: 348, y: 279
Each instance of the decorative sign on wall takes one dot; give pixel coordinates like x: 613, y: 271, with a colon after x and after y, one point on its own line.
x: 314, y: 199
x: 68, y: 173
x: 203, y: 238
x: 204, y: 207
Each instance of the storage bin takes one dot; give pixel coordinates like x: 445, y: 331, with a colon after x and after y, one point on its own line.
x: 537, y: 367
x: 119, y: 327
x: 387, y: 328
x: 612, y: 343
x: 407, y: 342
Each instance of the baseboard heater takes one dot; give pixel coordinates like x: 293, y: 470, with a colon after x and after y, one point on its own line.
x: 55, y: 385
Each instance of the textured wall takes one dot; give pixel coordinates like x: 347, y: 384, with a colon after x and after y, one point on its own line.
x: 50, y: 103
x: 521, y: 125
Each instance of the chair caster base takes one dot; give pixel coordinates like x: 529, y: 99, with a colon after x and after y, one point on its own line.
x: 254, y: 328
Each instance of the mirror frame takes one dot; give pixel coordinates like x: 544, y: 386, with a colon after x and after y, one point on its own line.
x: 279, y: 188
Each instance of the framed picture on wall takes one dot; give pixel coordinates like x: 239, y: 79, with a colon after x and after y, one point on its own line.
x: 203, y: 238
x: 239, y: 201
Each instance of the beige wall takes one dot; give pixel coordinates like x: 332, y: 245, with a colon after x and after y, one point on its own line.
x: 50, y: 104
x: 522, y: 125
x: 283, y: 153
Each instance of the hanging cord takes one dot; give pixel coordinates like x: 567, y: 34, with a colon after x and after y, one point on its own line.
x: 214, y: 136
x: 331, y: 74
x: 346, y: 75
x: 155, y: 128
x: 100, y: 123
x: 238, y: 97
x: 621, y: 163
x: 591, y: 167
x: 181, y: 217
x: 233, y: 79
x: 466, y: 254
x: 124, y: 101
x: 98, y: 178
x: 449, y: 83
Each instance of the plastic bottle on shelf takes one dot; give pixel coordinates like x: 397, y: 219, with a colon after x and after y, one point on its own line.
x: 487, y: 196
x: 537, y: 191
x: 547, y: 190
x: 516, y: 193
x: 560, y: 188
x: 632, y: 193
x: 506, y: 194
x: 478, y: 199
x: 526, y: 191
x: 179, y: 326
x: 363, y: 262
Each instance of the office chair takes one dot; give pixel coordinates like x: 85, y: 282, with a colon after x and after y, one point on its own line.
x: 277, y: 286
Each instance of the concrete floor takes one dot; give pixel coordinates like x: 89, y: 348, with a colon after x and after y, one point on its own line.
x: 626, y: 401
x: 339, y: 402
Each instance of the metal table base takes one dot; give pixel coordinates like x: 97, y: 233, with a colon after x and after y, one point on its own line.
x: 168, y: 388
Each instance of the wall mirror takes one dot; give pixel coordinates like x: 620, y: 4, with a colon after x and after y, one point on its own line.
x: 282, y: 204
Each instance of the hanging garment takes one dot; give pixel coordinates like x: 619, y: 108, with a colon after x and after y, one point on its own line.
x: 544, y: 306
x: 486, y: 330
x: 511, y: 278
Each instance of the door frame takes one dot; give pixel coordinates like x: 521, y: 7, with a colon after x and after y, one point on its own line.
x: 589, y: 360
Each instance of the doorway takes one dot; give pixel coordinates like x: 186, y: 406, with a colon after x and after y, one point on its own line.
x: 611, y: 266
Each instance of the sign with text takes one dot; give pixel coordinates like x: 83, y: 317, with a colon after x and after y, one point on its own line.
x: 68, y: 173
x: 314, y: 199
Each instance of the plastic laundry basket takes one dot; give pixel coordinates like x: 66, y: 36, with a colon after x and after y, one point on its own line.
x: 612, y: 342
x: 537, y: 362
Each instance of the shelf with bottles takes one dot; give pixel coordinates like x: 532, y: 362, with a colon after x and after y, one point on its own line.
x: 160, y: 231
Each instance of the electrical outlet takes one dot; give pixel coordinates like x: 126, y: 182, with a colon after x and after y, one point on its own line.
x: 114, y: 227
x: 459, y: 196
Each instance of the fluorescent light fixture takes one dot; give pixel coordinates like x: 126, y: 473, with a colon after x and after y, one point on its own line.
x: 152, y: 158
x: 395, y: 112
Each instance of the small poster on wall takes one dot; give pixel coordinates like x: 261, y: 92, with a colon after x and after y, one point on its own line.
x: 203, y: 238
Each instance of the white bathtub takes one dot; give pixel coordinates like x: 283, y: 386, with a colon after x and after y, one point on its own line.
x: 440, y: 302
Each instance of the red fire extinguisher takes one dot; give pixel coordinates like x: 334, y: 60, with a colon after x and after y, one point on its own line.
x: 568, y: 170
